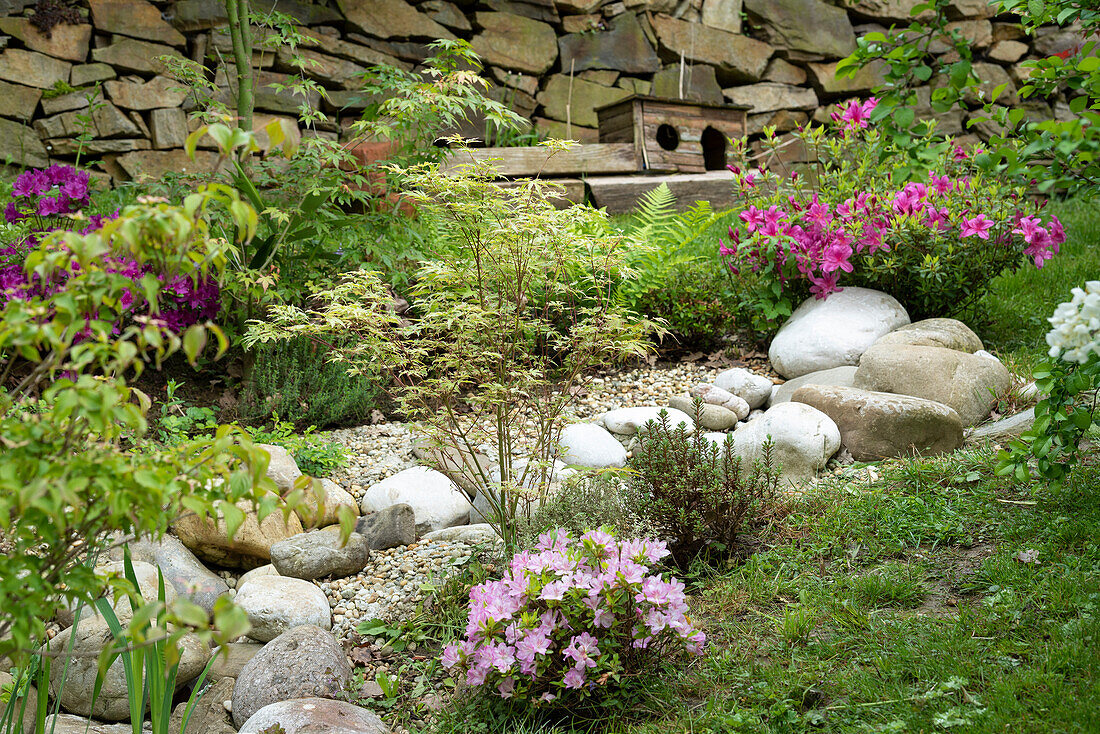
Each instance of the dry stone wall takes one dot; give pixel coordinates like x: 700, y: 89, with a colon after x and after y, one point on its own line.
x: 553, y: 61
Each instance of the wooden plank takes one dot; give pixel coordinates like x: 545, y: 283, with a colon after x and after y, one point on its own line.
x: 574, y: 193
x: 616, y: 118
x: 619, y: 194
x: 536, y: 160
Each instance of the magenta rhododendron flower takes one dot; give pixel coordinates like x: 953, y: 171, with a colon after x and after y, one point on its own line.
x: 853, y: 221
x: 46, y: 199
x: 606, y: 614
x: 753, y: 218
x: 837, y: 257
x: 976, y: 227
x: 854, y: 114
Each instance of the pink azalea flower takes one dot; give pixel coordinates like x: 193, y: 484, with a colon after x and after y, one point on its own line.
x: 1028, y: 228
x: 976, y: 227
x: 753, y: 218
x: 573, y: 678
x: 819, y: 214
x: 450, y: 656
x: 856, y: 115
x: 821, y: 286
x: 937, y: 218
x: 1057, y: 232
x: 907, y: 202
x: 774, y: 215
x: 940, y: 184
x: 837, y: 257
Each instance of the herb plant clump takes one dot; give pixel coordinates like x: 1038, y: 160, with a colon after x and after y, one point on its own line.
x: 696, y: 493
x: 575, y: 617
x: 589, y: 500
x: 934, y: 243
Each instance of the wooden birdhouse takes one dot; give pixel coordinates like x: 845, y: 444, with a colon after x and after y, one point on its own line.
x: 673, y: 135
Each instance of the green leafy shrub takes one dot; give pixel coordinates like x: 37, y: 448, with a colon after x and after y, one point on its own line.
x: 1058, y: 154
x: 296, y: 380
x: 696, y: 493
x: 69, y: 421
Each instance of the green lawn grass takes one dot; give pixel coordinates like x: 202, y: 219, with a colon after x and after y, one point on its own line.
x: 937, y: 598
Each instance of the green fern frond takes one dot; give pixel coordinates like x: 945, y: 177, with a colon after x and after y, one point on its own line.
x: 654, y: 213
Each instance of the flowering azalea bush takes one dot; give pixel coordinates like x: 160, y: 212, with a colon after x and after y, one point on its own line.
x: 571, y: 618
x: 51, y: 199
x: 1070, y: 381
x: 934, y: 244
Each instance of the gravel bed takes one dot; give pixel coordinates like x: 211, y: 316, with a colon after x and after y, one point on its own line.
x: 378, y: 451
x: 389, y: 588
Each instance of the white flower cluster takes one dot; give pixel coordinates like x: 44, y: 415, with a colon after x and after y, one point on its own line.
x: 1076, y: 332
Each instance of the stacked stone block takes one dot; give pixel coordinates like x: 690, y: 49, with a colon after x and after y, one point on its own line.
x: 553, y: 61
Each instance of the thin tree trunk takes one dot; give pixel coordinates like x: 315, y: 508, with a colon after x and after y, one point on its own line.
x: 241, y: 35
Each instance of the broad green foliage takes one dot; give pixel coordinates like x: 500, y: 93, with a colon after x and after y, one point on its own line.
x: 69, y: 421
x: 506, y: 329
x: 1057, y: 154
x: 1070, y: 380
x: 905, y: 57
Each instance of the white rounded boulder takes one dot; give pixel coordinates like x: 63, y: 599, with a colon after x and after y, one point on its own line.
x: 586, y: 444
x: 629, y: 421
x: 803, y: 439
x: 437, y: 502
x: 275, y: 604
x: 754, y: 389
x: 822, y: 334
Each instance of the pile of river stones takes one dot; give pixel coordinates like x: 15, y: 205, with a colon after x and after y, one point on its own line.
x: 858, y: 376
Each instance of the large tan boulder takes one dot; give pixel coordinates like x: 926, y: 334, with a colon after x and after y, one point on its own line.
x: 947, y: 333
x: 878, y: 425
x: 968, y: 383
x: 248, y: 548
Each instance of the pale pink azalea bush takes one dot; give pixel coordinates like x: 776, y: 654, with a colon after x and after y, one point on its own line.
x: 572, y: 617
x: 933, y: 243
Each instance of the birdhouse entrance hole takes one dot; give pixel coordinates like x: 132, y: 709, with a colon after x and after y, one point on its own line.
x: 714, y: 149
x: 667, y: 137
